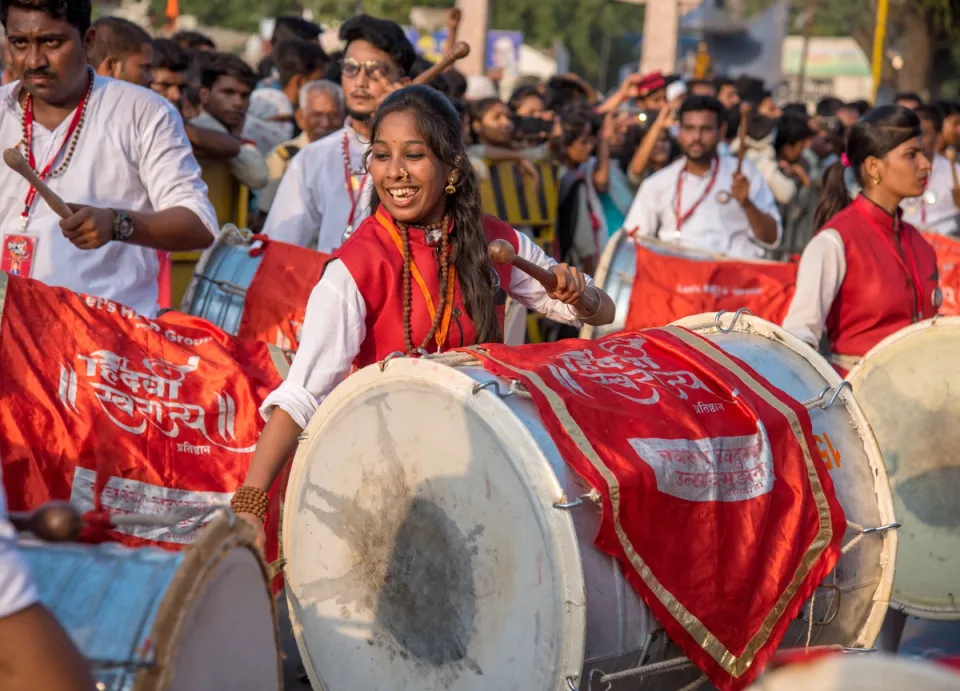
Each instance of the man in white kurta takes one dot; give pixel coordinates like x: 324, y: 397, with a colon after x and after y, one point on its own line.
x: 936, y: 211
x: 718, y: 210
x: 325, y: 193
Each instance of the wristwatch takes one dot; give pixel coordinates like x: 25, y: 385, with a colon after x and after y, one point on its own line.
x: 122, y: 226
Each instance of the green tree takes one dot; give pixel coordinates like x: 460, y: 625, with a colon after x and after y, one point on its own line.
x: 241, y: 15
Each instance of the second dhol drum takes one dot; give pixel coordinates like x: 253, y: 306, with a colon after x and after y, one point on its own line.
x: 908, y: 386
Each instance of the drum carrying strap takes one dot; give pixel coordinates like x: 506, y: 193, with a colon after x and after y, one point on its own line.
x: 845, y: 362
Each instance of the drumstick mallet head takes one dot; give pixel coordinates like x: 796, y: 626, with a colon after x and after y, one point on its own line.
x: 15, y: 161
x: 56, y: 521
x: 501, y: 252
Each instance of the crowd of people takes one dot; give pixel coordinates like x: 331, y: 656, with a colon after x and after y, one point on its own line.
x: 341, y: 154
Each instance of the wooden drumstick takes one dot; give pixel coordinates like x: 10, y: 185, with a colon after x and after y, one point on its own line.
x: 952, y: 157
x: 56, y: 521
x: 15, y: 160
x: 460, y: 51
x: 742, y: 136
x: 502, y: 252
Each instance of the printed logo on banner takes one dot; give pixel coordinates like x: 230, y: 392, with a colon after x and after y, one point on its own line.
x: 711, y: 469
x: 134, y: 399
x: 132, y: 497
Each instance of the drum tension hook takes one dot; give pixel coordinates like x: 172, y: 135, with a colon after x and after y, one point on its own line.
x: 383, y: 363
x: 733, y: 323
x: 881, y: 528
x: 592, y: 495
x: 495, y: 386
x: 226, y: 286
x: 820, y: 400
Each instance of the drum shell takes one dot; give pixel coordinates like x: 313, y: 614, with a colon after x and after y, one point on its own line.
x: 907, y: 385
x: 230, y: 264
x: 847, y: 445
x: 601, y: 618
x: 152, y: 620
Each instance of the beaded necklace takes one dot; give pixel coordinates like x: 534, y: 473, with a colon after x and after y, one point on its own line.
x: 441, y: 319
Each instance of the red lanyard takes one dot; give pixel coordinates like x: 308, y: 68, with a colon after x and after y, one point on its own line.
x: 715, y: 166
x: 912, y: 272
x: 28, y: 142
x: 348, y: 180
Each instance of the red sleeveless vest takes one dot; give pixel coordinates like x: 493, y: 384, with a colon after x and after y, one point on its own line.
x: 891, y: 279
x: 376, y: 265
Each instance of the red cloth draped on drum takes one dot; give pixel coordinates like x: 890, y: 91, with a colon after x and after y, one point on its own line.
x: 714, y: 497
x: 151, y: 416
x: 276, y: 301
x: 948, y: 263
x: 667, y: 288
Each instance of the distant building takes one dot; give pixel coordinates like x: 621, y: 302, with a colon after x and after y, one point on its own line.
x: 833, y: 66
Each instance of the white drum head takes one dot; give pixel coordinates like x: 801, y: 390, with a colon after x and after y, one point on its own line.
x: 909, y: 387
x: 852, y: 603
x: 423, y: 550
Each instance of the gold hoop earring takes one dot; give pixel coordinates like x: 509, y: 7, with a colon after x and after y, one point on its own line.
x: 450, y: 189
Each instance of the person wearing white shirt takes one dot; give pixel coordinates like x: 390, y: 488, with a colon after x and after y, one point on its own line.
x: 117, y: 152
x: 35, y: 651
x: 937, y: 208
x: 701, y: 201
x: 325, y: 193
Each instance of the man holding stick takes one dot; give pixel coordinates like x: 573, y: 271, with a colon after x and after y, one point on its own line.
x: 117, y: 152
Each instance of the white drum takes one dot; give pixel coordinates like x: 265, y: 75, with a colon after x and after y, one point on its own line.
x: 618, y: 268
x: 152, y: 620
x: 874, y: 672
x: 908, y: 386
x: 853, y: 600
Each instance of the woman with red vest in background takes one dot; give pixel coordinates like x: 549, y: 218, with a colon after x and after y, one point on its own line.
x: 867, y: 274
x: 414, y: 277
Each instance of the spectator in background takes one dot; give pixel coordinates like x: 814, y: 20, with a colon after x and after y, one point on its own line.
x: 492, y: 127
x: 192, y: 41
x: 320, y: 113
x: 285, y: 28
x: 727, y: 92
x: 560, y: 92
x: 768, y: 107
x: 830, y: 138
x: 862, y: 107
x: 121, y: 50
x: 796, y: 109
x: 936, y: 210
x: 794, y: 135
x: 760, y: 151
x: 527, y: 102
x: 170, y: 63
x: 655, y: 150
x: 225, y: 85
x: 270, y: 119
x: 701, y: 87
x: 950, y: 134
x: 908, y: 99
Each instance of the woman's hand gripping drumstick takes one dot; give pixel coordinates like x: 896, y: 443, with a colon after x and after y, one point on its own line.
x: 15, y: 160
x: 562, y: 282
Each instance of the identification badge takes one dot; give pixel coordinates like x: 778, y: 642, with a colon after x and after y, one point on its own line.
x: 18, y: 254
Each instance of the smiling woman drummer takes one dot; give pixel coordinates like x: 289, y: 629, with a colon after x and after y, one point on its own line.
x: 415, y: 277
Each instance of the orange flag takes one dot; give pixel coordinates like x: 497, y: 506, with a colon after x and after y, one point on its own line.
x: 173, y: 10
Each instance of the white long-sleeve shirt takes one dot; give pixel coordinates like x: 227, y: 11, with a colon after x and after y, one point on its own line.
x: 335, y: 328
x: 941, y: 215
x: 132, y: 154
x: 823, y: 266
x: 313, y: 194
x: 714, y: 227
x: 17, y: 590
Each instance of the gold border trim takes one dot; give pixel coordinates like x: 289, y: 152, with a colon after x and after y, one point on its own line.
x: 732, y: 664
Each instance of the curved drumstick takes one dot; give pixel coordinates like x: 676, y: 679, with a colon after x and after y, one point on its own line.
x: 56, y: 521
x: 742, y: 136
x: 460, y: 51
x: 15, y: 160
x: 502, y: 252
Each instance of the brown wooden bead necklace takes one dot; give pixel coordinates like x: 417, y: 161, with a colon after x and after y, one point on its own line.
x: 444, y: 256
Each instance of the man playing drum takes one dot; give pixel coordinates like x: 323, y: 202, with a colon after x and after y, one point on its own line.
x: 425, y: 245
x: 116, y: 150
x: 703, y: 200
x: 326, y: 187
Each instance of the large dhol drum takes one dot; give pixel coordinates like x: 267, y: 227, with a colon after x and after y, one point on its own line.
x: 854, y: 599
x: 434, y: 541
x: 617, y: 269
x: 875, y: 672
x: 908, y: 386
x: 152, y: 620
x: 218, y: 290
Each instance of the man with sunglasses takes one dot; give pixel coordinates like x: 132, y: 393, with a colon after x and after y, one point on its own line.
x: 325, y: 192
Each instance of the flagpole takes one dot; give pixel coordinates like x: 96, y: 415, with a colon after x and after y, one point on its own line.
x: 879, y: 36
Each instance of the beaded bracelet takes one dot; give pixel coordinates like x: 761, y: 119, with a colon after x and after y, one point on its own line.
x: 250, y: 500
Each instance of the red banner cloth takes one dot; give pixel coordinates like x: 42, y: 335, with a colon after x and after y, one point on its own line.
x: 667, y: 288
x: 714, y: 497
x: 276, y: 301
x: 948, y: 264
x: 160, y: 414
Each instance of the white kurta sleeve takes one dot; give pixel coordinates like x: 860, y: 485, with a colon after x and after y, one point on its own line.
x: 641, y: 219
x: 822, y: 269
x: 531, y: 294
x: 169, y: 171
x: 17, y: 590
x: 295, y: 214
x: 333, y: 331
